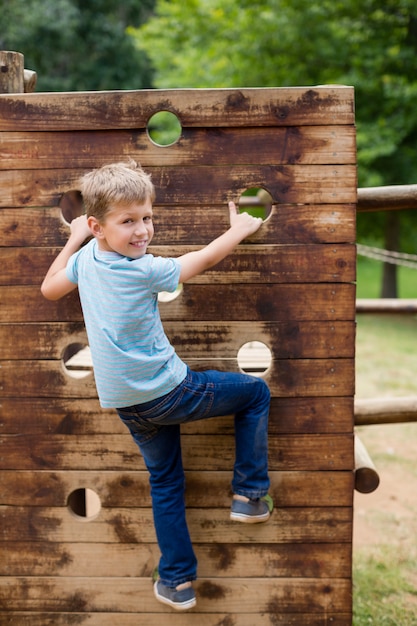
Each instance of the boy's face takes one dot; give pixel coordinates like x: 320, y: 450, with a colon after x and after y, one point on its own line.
x: 127, y: 229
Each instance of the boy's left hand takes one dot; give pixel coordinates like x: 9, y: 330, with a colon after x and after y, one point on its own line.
x: 248, y: 224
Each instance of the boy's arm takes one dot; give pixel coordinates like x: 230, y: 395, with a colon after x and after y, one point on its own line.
x: 241, y: 226
x: 56, y: 284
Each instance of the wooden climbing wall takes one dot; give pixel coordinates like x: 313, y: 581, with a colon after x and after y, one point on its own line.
x: 291, y: 286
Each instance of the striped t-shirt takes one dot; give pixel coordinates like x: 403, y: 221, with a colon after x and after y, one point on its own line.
x: 133, y: 360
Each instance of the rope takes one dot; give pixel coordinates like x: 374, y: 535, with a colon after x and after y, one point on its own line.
x: 388, y: 256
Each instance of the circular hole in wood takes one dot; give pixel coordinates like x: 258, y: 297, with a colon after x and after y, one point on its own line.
x: 254, y: 358
x: 85, y: 504
x: 257, y: 201
x: 71, y: 205
x: 77, y: 361
x: 164, y: 128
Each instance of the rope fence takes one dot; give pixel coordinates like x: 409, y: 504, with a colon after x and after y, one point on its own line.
x: 388, y: 256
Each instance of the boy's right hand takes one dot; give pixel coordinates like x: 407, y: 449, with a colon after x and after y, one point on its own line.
x: 55, y: 285
x: 80, y: 229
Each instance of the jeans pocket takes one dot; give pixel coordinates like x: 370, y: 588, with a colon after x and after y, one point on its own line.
x: 159, y: 410
x: 141, y: 429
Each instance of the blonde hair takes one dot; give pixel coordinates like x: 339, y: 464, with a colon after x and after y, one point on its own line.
x: 114, y: 184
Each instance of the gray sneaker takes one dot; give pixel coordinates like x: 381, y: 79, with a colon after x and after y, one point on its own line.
x: 181, y: 600
x: 252, y: 511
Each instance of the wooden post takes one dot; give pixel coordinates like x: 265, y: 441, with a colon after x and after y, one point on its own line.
x: 366, y: 476
x: 11, y: 72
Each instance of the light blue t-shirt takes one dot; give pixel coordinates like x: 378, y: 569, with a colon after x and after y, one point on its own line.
x: 133, y: 360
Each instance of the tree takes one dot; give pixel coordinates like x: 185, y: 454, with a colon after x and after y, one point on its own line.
x: 366, y: 43
x: 76, y: 45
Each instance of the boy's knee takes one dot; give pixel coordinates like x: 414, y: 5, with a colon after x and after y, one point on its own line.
x: 264, y: 391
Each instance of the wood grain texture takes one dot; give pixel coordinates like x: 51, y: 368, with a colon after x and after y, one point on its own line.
x: 135, y: 525
x: 154, y: 619
x: 198, y: 339
x: 211, y: 146
x: 84, y: 416
x: 188, y: 185
x: 289, y: 286
x: 287, y: 224
x: 138, y: 560
x: 125, y: 488
x: 100, y: 594
x: 274, y: 302
x: 207, y: 453
x: 248, y: 264
x: 291, y: 377
x: 300, y: 106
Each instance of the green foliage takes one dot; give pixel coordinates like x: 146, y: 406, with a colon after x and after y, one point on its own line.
x: 164, y: 128
x: 372, y: 45
x: 76, y: 45
x: 368, y: 44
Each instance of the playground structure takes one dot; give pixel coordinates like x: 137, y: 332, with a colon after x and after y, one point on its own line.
x: 78, y: 544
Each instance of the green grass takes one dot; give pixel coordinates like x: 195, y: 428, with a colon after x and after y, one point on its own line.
x: 383, y: 593
x: 369, y: 279
x: 385, y: 574
x: 386, y: 355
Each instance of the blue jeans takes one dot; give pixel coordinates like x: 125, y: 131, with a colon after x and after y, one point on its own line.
x: 155, y: 427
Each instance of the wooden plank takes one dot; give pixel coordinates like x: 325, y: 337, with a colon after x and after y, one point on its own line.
x: 84, y: 416
x: 184, y: 619
x: 272, y: 302
x: 263, y: 264
x: 287, y: 224
x: 204, y: 489
x: 26, y: 304
x: 301, y: 377
x: 286, y: 106
x: 331, y: 184
x: 295, y: 415
x: 207, y: 453
x: 248, y: 264
x: 47, y: 227
x: 135, y: 525
x: 136, y: 594
x: 208, y: 146
x: 197, y: 339
x: 47, y: 341
x: 138, y: 560
x: 63, y: 415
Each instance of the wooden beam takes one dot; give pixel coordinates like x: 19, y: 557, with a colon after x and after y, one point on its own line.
x: 372, y: 411
x: 29, y: 79
x: 386, y: 305
x: 389, y: 198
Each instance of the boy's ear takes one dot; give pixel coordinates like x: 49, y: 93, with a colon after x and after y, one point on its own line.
x: 95, y: 227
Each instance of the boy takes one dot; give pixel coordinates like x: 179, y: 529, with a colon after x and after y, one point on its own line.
x: 137, y: 371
